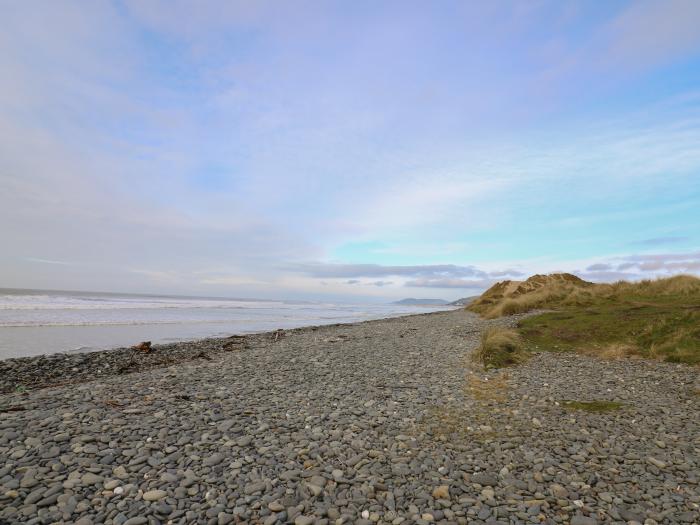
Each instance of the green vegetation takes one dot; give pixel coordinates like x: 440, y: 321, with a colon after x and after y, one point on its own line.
x: 592, y: 406
x: 654, y: 319
x: 499, y: 347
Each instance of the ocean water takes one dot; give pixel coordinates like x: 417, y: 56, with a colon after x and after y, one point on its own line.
x: 34, y: 322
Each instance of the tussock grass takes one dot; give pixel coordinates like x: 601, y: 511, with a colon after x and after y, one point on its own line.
x: 539, y: 291
x: 592, y: 406
x: 499, y: 347
x: 565, y: 290
x: 657, y: 319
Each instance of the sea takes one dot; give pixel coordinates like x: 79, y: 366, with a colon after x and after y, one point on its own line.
x: 35, y: 322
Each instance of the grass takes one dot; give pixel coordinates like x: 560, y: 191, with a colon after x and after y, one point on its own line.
x: 657, y: 319
x: 663, y: 329
x: 592, y: 406
x: 499, y: 347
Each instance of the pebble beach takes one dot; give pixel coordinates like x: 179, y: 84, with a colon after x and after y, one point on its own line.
x: 380, y: 422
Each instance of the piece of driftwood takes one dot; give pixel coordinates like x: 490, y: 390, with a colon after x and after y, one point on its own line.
x: 143, y: 346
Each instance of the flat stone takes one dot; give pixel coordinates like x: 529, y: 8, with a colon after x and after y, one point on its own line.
x: 154, y: 495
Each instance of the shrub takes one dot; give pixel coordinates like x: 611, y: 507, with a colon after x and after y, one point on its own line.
x: 499, y: 347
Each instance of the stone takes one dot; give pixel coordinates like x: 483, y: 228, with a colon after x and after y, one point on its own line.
x: 136, y: 520
x: 120, y: 472
x: 656, y: 462
x: 583, y: 520
x: 314, y: 489
x: 213, y: 460
x: 154, y: 495
x: 483, y: 478
x: 112, y: 484
x: 558, y: 491
x: 91, y: 479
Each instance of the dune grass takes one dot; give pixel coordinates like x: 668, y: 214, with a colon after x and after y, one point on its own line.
x: 499, y: 347
x: 653, y: 319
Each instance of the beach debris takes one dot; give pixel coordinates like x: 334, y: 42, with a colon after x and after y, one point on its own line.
x: 278, y: 334
x: 235, y: 342
x: 143, y: 346
x: 202, y: 355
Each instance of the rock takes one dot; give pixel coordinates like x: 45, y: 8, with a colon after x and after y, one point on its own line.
x: 558, y: 491
x: 154, y: 495
x: 136, y: 520
x: 484, y: 479
x: 91, y: 479
x: 112, y: 484
x: 252, y: 488
x: 120, y: 472
x: 244, y: 441
x: 213, y: 460
x: 657, y: 463
x: 583, y: 520
x: 314, y: 489
x: 224, y: 519
x: 303, y: 520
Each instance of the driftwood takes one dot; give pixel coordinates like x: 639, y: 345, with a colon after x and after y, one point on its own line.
x: 144, y: 346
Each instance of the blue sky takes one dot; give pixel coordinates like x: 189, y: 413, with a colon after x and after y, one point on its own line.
x: 346, y: 150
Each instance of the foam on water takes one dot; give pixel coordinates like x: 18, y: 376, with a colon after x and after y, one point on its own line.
x: 35, y: 322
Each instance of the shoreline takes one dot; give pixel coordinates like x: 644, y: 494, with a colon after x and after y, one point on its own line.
x: 45, y: 370
x: 378, y: 422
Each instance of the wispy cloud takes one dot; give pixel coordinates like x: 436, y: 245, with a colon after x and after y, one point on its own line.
x: 643, y: 266
x: 327, y: 270
x: 656, y: 241
x: 48, y: 261
x: 450, y: 283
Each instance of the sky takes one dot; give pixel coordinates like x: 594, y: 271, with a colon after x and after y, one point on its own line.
x: 358, y: 151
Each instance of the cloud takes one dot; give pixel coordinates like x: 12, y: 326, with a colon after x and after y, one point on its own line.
x: 449, y: 283
x: 507, y: 273
x: 663, y: 263
x: 340, y: 270
x: 642, y: 266
x: 607, y: 276
x: 655, y: 241
x: 48, y: 261
x: 651, y: 32
x: 599, y: 267
x: 216, y: 146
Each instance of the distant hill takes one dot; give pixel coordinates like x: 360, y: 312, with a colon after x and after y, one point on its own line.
x: 464, y: 301
x: 423, y: 302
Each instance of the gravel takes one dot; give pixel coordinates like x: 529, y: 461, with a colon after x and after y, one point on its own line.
x: 376, y: 422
